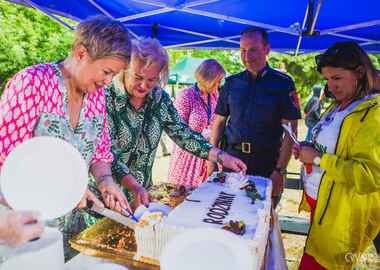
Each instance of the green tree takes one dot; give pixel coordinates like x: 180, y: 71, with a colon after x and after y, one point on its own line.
x: 29, y: 37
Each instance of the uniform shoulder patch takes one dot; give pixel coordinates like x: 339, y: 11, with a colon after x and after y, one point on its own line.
x: 235, y: 76
x: 294, y: 99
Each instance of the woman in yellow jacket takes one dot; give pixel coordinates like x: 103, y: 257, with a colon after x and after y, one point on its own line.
x: 345, y: 158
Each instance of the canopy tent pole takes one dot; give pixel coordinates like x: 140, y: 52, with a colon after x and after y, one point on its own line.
x: 311, y: 20
x: 155, y: 30
x: 101, y: 9
x: 212, y: 38
x: 226, y: 22
x: 366, y: 40
x: 184, y: 8
x: 315, y: 17
x: 166, y: 8
x: 300, y: 37
x: 333, y: 32
x: 349, y: 27
x: 109, y: 15
x: 144, y: 14
x: 47, y: 13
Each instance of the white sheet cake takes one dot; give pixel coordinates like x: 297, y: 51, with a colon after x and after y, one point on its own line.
x: 210, y: 206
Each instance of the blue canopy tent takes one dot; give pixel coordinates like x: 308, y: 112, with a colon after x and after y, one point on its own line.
x: 294, y: 27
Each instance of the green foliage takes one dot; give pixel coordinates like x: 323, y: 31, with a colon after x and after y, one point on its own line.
x: 29, y: 37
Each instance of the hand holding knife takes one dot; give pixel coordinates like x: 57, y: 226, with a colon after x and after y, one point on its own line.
x: 114, y: 215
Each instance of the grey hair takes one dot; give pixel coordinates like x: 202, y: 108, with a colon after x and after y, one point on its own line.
x: 150, y: 51
x: 103, y: 37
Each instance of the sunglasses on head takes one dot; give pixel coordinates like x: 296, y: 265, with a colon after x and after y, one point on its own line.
x: 329, y: 56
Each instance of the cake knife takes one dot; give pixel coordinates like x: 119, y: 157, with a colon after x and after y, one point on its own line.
x: 111, y: 214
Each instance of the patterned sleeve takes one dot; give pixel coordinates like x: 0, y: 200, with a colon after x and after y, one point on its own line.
x: 118, y: 168
x: 187, y: 139
x: 103, y: 150
x: 183, y: 104
x: 19, y: 107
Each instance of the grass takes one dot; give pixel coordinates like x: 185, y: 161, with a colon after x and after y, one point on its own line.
x: 288, y: 206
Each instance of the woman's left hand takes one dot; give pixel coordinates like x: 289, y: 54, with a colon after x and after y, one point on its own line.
x: 306, y: 154
x: 140, y: 196
x: 233, y: 163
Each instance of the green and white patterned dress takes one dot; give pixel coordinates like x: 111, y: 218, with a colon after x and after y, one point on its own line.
x: 124, y: 123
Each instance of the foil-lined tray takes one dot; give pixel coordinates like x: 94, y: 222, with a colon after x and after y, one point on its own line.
x: 112, y: 240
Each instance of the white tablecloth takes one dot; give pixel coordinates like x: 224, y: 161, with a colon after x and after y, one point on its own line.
x: 276, y: 260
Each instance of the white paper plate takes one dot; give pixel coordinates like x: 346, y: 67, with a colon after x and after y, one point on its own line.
x: 45, y: 174
x: 153, y: 207
x: 205, y: 249
x: 106, y: 266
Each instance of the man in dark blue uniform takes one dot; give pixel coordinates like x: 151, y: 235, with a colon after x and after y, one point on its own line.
x: 256, y: 102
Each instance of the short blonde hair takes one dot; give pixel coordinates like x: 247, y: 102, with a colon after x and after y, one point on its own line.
x: 150, y: 52
x: 103, y: 37
x: 208, y: 72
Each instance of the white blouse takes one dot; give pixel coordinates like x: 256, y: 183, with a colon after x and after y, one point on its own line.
x: 324, y: 137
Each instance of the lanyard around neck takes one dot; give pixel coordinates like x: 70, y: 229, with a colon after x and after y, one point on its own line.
x: 204, y: 103
x: 329, y: 117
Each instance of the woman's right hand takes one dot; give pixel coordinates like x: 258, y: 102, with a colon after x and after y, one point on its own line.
x: 113, y: 195
x: 19, y: 227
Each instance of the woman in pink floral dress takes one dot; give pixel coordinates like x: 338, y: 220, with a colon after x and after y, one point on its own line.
x: 66, y: 100
x: 196, y: 106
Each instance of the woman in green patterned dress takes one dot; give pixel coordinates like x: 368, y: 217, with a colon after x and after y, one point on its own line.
x: 134, y: 91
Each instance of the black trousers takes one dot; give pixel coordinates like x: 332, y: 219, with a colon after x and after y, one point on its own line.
x: 261, y: 163
x: 376, y: 242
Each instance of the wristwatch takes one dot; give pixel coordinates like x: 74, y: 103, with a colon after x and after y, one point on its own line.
x: 317, y: 159
x: 281, y: 171
x: 219, y: 157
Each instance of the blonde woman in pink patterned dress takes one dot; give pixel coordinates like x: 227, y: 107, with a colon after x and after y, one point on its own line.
x: 196, y: 106
x: 66, y: 100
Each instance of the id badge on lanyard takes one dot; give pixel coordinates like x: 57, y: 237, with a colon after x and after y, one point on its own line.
x: 204, y: 103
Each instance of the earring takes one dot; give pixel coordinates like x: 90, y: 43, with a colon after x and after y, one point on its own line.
x: 356, y: 83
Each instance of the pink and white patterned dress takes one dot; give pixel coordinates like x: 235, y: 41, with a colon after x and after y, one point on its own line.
x: 34, y: 103
x: 185, y: 168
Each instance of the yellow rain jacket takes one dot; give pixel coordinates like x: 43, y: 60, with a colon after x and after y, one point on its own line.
x: 347, y: 215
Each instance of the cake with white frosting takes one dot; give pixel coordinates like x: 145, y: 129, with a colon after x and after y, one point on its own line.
x: 219, y: 200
